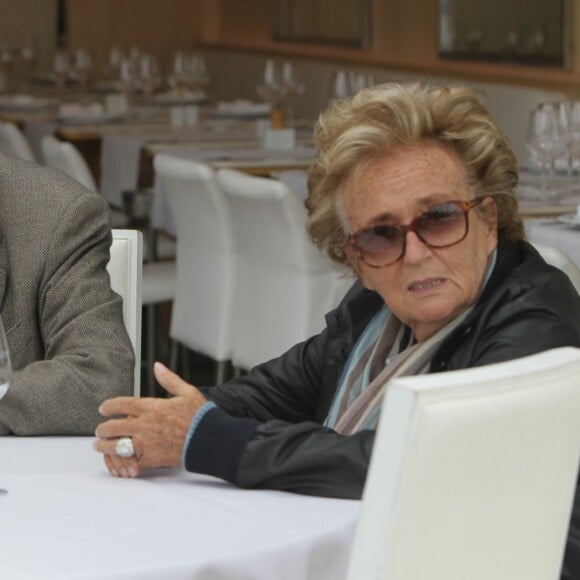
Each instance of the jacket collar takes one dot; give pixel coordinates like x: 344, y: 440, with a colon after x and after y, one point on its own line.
x: 510, y: 255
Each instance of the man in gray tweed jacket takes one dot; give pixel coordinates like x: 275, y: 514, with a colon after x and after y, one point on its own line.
x: 68, y: 344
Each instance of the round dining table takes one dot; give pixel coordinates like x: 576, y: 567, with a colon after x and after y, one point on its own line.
x: 65, y: 517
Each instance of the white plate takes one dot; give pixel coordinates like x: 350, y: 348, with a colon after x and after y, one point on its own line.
x: 572, y: 220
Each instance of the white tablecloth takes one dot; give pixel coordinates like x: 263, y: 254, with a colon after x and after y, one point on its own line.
x: 121, y: 150
x: 64, y: 517
x: 556, y: 235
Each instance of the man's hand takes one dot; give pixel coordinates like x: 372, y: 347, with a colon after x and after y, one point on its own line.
x: 157, y: 426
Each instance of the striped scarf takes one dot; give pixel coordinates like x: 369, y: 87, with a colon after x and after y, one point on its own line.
x: 380, y: 354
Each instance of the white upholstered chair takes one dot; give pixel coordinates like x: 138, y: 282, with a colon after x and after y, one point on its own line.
x: 284, y: 284
x: 473, y: 474
x: 561, y: 260
x: 202, y: 310
x: 66, y: 157
x: 14, y: 143
x: 124, y: 269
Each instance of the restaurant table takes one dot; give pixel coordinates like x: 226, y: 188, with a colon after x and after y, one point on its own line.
x: 65, y: 517
x: 562, y: 196
x: 553, y: 233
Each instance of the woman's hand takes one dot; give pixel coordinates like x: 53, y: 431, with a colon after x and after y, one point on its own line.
x: 157, y: 427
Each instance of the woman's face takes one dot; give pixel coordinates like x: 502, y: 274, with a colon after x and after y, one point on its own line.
x: 427, y: 287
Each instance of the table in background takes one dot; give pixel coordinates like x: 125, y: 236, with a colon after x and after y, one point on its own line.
x: 65, y: 517
x: 550, y: 232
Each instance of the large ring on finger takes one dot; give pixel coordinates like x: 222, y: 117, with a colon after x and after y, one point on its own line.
x: 124, y: 447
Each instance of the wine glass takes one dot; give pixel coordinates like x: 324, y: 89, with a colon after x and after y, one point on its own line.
x: 148, y: 74
x: 61, y: 67
x: 575, y: 135
x: 292, y: 87
x: 564, y: 117
x: 543, y: 140
x: 271, y: 90
x: 5, y: 370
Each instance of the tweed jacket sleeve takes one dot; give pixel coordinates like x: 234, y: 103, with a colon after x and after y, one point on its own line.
x: 69, y: 347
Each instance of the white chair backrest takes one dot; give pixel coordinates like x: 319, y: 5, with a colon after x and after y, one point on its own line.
x: 285, y: 285
x: 14, y: 143
x: 473, y: 473
x: 561, y: 260
x: 66, y: 157
x: 202, y: 309
x: 125, y: 270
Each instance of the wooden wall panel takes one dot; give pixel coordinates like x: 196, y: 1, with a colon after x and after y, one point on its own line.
x: 248, y: 21
x: 152, y: 25
x: 404, y: 36
x: 30, y: 20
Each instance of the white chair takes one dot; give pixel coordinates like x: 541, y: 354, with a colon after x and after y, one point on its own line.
x: 65, y: 156
x: 561, y: 260
x: 14, y: 143
x: 284, y: 284
x: 202, y: 310
x: 124, y: 269
x: 473, y: 474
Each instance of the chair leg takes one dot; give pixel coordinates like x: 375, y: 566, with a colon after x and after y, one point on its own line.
x: 150, y: 358
x: 221, y: 370
x: 174, y: 356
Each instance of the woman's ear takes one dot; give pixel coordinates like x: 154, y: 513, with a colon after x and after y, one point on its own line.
x: 355, y: 264
x: 352, y: 258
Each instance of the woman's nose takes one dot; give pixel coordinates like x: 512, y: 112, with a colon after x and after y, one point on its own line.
x: 415, y: 249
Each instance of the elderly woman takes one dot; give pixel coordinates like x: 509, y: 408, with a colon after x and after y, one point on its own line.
x: 414, y: 187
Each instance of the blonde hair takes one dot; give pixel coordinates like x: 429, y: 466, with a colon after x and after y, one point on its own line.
x: 355, y: 131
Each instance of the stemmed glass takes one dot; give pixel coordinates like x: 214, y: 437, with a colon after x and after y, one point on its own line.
x: 81, y: 64
x: 61, y: 67
x: 543, y: 140
x: 292, y: 87
x: 271, y: 90
x: 564, y: 117
x: 281, y: 85
x: 575, y: 135
x: 5, y: 369
x: 148, y: 74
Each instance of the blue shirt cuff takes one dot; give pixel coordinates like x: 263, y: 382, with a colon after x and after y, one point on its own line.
x: 194, y: 424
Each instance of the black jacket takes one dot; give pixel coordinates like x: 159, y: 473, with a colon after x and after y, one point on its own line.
x: 267, y: 432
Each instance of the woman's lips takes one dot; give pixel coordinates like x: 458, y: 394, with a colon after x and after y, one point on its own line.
x: 425, y: 285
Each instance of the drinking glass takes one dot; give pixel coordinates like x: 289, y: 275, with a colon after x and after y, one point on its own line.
x: 148, y: 74
x: 543, y: 140
x: 575, y: 135
x: 178, y: 77
x: 271, y: 89
x: 292, y: 87
x: 81, y: 66
x: 564, y: 117
x: 5, y: 370
x: 61, y: 67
